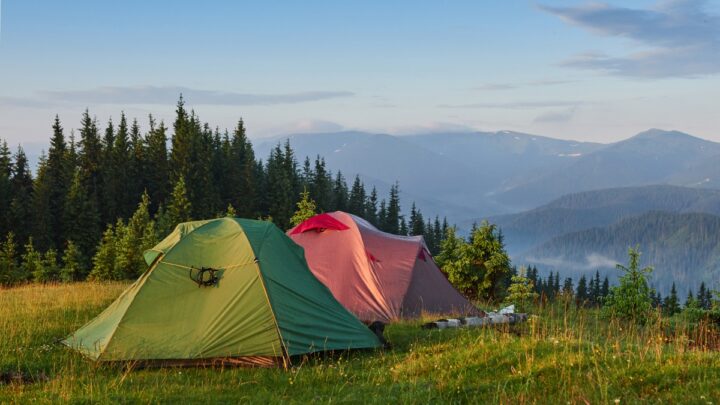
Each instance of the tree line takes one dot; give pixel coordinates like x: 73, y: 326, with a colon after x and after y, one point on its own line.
x: 98, y: 200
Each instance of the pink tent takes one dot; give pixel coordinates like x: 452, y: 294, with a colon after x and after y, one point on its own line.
x: 376, y: 275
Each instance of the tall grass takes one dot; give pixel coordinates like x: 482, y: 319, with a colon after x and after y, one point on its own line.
x: 562, y: 355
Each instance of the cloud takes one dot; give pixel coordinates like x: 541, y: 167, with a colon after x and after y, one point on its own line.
x: 430, y: 128
x: 681, y: 38
x: 169, y: 94
x: 24, y: 102
x: 516, y: 105
x: 556, y: 116
x: 592, y: 261
x: 511, y: 86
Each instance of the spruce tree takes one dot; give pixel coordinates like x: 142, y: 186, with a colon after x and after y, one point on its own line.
x: 371, y: 207
x: 322, y: 186
x: 43, y: 221
x: 280, y: 196
x: 91, y: 164
x: 157, y: 169
x: 32, y: 263
x: 392, y: 219
x: 133, y: 239
x: 56, y: 181
x: 73, y: 268
x: 382, y: 216
x: 104, y: 260
x: 21, y: 205
x: 82, y: 218
x: 240, y: 174
x: 581, y: 294
x: 403, y: 230
x: 6, y: 192
x: 671, y: 305
x: 357, y: 199
x: 417, y: 222
x: 9, y: 272
x: 340, y: 193
x: 305, y: 209
x: 567, y: 288
x: 702, y: 297
x: 179, y: 209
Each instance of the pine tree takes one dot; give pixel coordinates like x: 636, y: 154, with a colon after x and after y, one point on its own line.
x: 702, y: 297
x: 32, y: 263
x: 371, y: 207
x: 91, y: 165
x: 50, y: 270
x: 241, y: 173
x: 136, y: 166
x: 450, y: 257
x: 305, y: 209
x: 9, y: 272
x: 280, y: 196
x: 43, y: 221
x: 21, y: 205
x: 605, y: 290
x: 230, y: 211
x: 6, y: 192
x: 56, y: 181
x: 321, y: 189
x: 521, y: 291
x: 340, y: 193
x: 488, y: 262
x: 671, y: 305
x: 632, y: 298
x: 157, y: 172
x: 82, y: 218
x: 357, y: 199
x: 417, y: 222
x: 179, y: 209
x: 595, y: 289
x: 117, y: 192
x: 690, y: 301
x: 581, y: 295
x: 392, y: 219
x: 104, y: 259
x: 567, y: 288
x: 133, y: 239
x: 403, y: 230
x: 72, y: 268
x: 382, y: 216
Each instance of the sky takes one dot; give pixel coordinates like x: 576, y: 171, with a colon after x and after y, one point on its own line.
x: 589, y: 71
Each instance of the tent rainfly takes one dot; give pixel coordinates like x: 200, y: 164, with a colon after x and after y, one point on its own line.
x: 376, y: 275
x: 223, y: 290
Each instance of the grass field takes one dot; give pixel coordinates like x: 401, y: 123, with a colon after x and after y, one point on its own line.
x: 560, y: 356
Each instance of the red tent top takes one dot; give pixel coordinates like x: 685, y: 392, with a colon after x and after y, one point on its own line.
x: 320, y: 223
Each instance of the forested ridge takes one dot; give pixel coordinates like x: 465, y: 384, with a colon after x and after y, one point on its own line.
x: 101, y: 197
x: 684, y: 248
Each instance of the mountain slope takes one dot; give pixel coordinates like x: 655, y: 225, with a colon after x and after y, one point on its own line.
x: 575, y: 212
x: 651, y: 157
x: 683, y: 247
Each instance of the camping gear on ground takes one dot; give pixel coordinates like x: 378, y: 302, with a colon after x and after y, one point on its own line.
x: 376, y: 275
x: 231, y: 290
x: 502, y: 316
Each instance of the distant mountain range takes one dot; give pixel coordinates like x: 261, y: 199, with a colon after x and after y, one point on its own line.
x: 480, y: 174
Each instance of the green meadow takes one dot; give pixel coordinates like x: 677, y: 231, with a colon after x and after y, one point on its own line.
x: 562, y: 355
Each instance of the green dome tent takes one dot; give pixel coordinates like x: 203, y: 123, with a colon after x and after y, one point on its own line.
x: 228, y: 289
